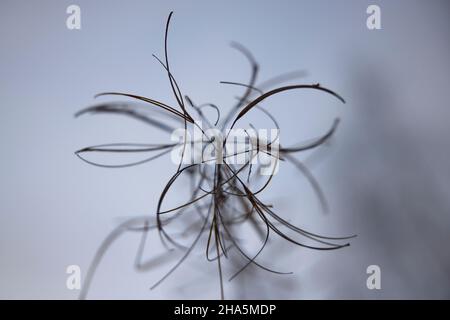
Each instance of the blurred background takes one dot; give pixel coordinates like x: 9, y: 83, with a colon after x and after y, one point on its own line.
x: 385, y: 173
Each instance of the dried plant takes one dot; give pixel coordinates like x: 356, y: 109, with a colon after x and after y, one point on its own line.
x: 223, y: 196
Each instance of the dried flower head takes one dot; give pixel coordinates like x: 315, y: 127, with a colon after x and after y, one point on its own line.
x: 223, y: 196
